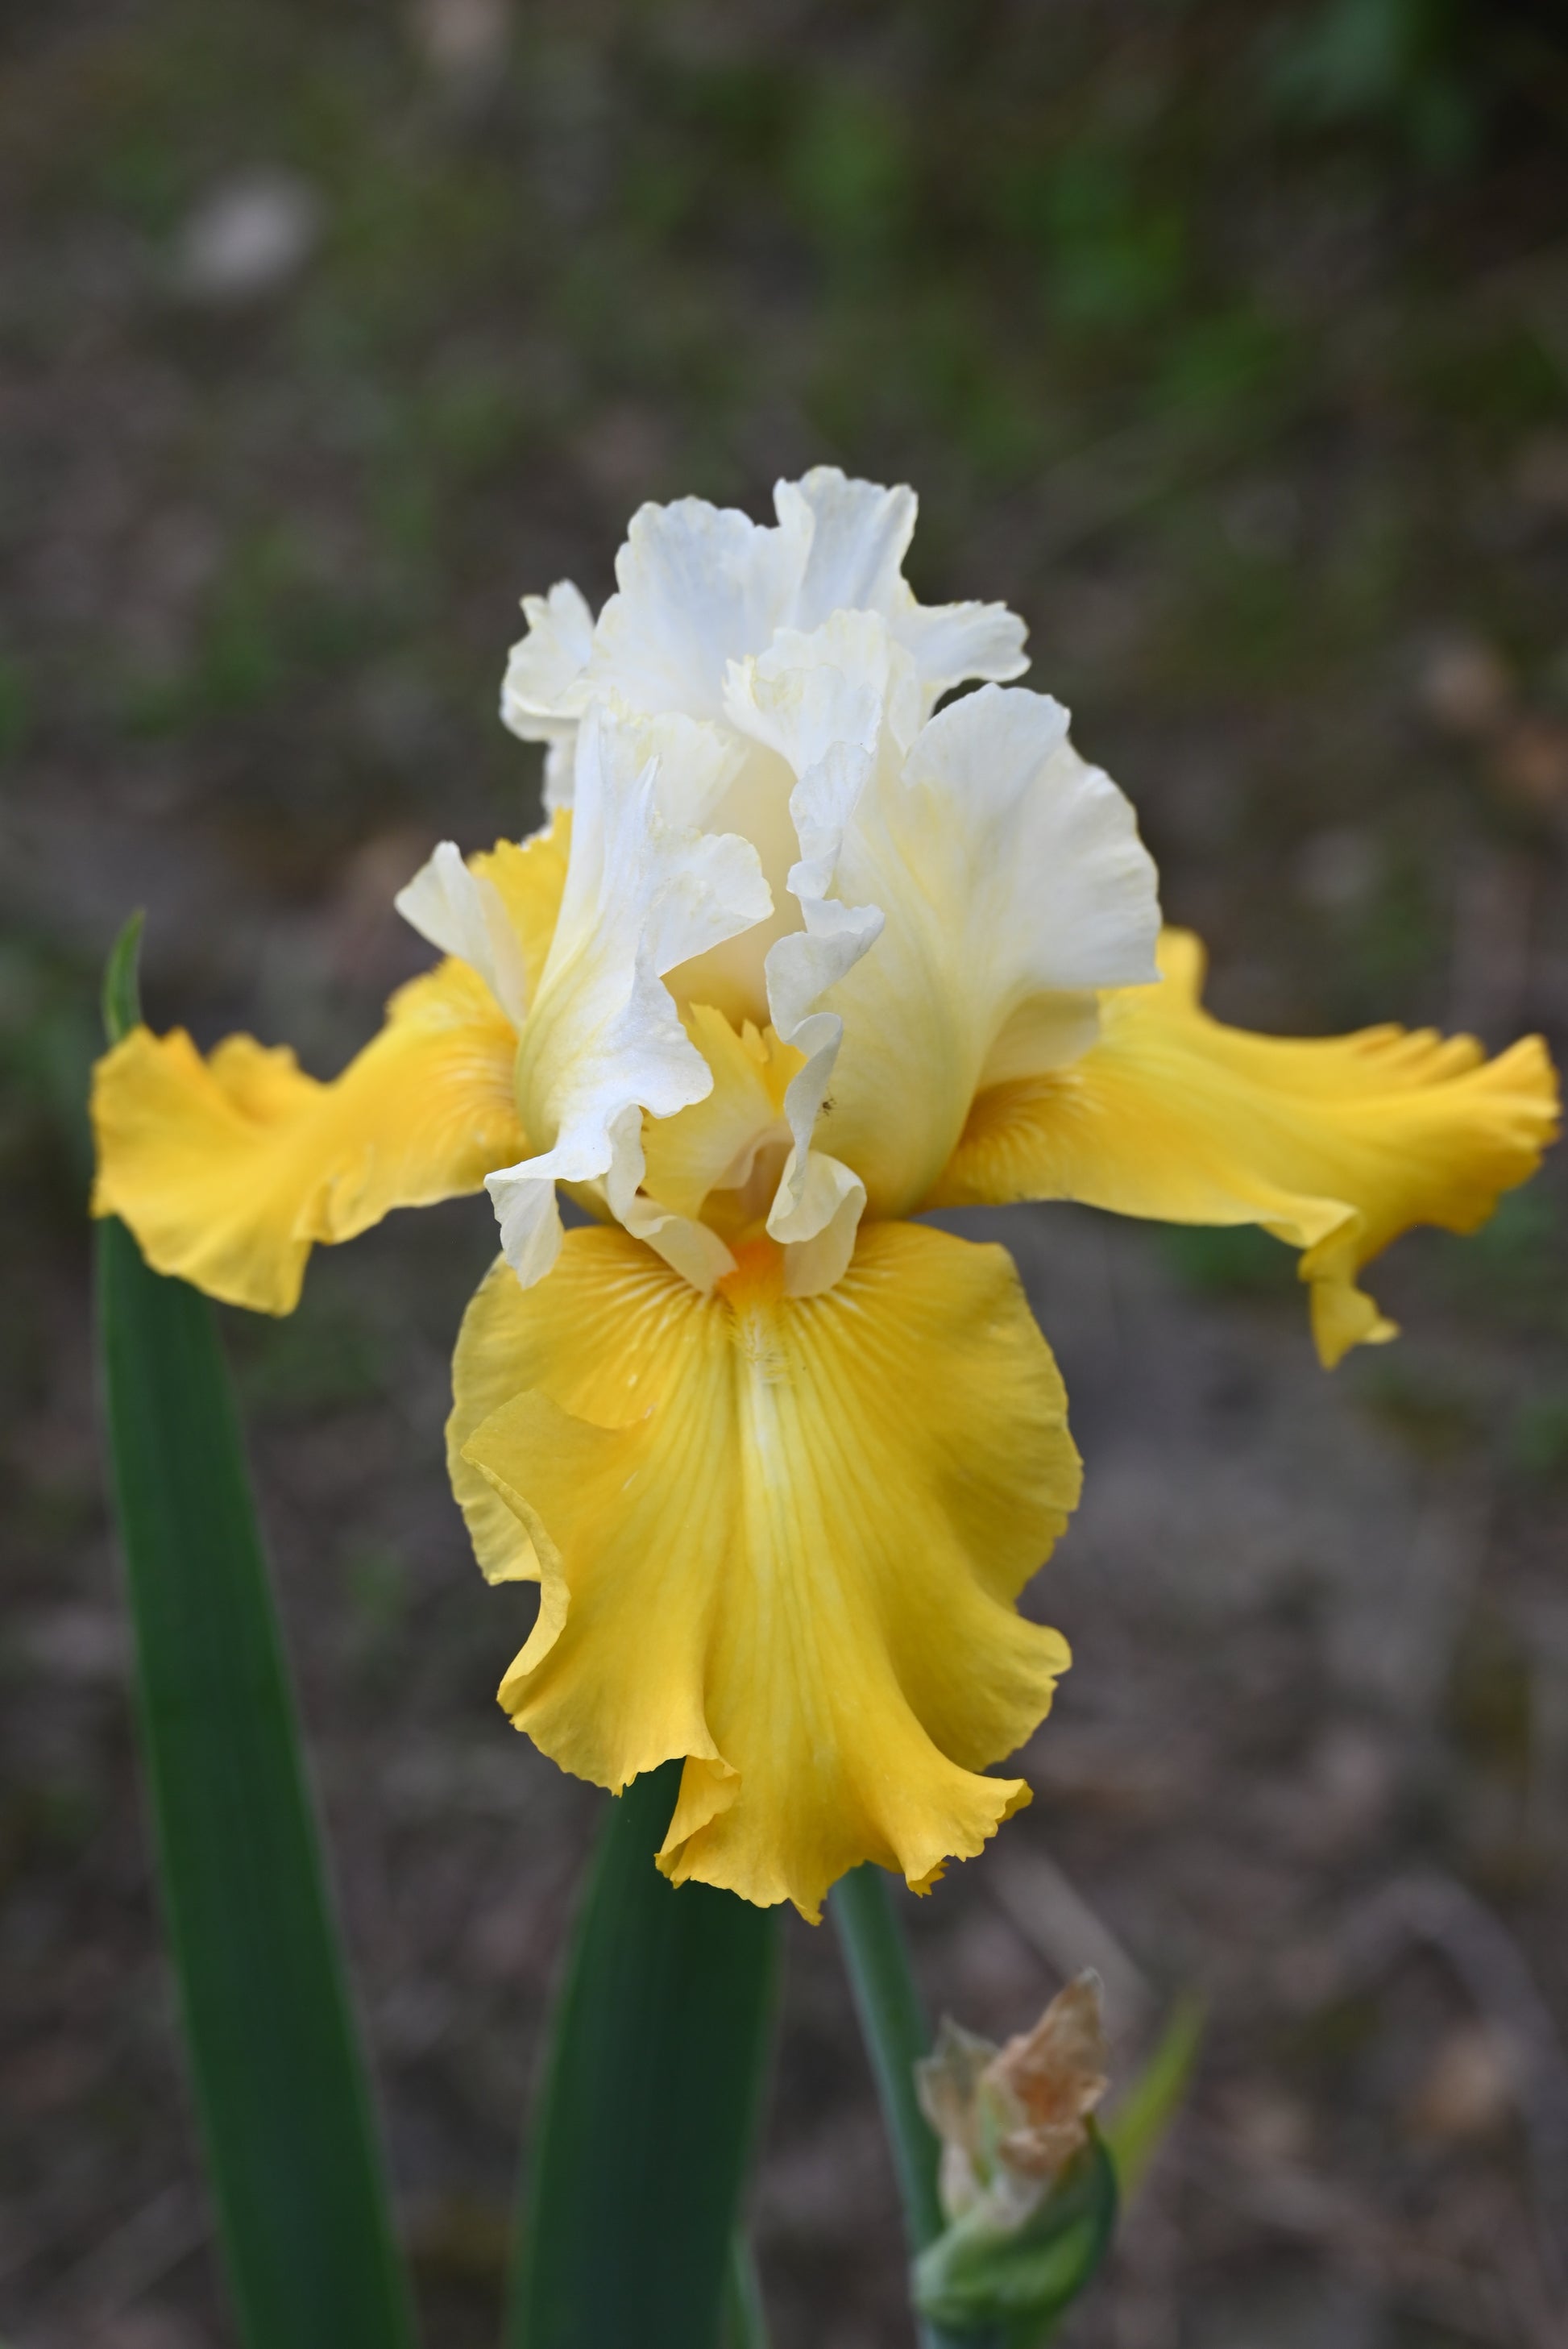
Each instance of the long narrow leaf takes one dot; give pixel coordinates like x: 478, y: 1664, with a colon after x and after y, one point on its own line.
x: 280, y: 2088
x: 745, y: 2317
x: 651, y: 2098
x: 1143, y: 2114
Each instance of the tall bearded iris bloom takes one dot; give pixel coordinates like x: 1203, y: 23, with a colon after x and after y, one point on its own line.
x: 803, y: 950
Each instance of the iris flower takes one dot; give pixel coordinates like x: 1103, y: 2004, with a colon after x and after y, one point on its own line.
x: 806, y: 947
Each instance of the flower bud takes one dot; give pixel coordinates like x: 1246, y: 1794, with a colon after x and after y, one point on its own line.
x: 1026, y: 2184
x: 1011, y: 2119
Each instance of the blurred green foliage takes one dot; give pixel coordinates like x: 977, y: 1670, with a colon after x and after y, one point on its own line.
x: 322, y: 1357
x: 1419, y: 68
x: 376, y: 1578
x: 1518, y: 1262
x: 965, y: 241
x: 1161, y: 292
x: 1538, y: 1439
x: 48, y: 1040
x: 1218, y: 335
x: 13, y: 707
x: 1434, y: 1413
x: 1492, y: 1695
x: 268, y: 625
x: 1228, y: 1260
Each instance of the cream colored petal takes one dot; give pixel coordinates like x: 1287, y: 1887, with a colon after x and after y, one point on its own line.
x: 560, y: 772
x: 823, y: 1203
x: 832, y: 705
x: 688, y: 1246
x: 783, y: 1538
x: 1014, y: 885
x: 698, y: 585
x: 857, y: 534
x: 542, y: 696
x: 733, y: 977
x: 860, y: 535
x: 951, y: 643
x: 697, y: 761
x: 966, y: 887
x: 604, y: 1042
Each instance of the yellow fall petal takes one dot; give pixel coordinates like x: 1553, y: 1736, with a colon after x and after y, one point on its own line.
x: 1335, y: 1145
x: 228, y: 1169
x: 781, y: 1537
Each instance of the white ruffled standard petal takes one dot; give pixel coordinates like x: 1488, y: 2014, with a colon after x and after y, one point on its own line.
x: 700, y: 586
x: 541, y: 696
x: 965, y: 888
x: 830, y: 704
x: 925, y: 931
x: 951, y: 643
x: 1062, y: 891
x: 860, y: 536
x: 1014, y: 885
x: 857, y: 534
x: 645, y: 890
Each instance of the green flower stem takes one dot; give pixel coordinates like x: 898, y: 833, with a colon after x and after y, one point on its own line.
x: 744, y: 2318
x: 897, y: 2035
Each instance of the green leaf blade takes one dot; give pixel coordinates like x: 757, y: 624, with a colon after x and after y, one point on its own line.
x: 1135, y: 2129
x: 745, y: 2317
x: 650, y: 2103
x: 121, y: 999
x: 280, y: 2088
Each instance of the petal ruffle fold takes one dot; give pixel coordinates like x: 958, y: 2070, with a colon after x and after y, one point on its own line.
x: 496, y: 911
x: 713, y: 1147
x: 229, y: 1169
x: 779, y: 1537
x: 1334, y: 1145
x: 965, y: 885
x: 698, y: 586
x: 646, y: 888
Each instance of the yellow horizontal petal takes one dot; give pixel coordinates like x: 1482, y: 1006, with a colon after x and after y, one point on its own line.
x: 1335, y: 1145
x: 780, y: 1536
x: 228, y: 1169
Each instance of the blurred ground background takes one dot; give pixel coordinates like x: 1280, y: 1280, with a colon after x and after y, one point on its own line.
x: 1230, y: 344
